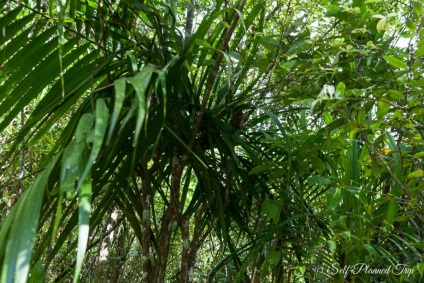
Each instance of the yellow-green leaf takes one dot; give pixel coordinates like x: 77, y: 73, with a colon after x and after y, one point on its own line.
x: 381, y: 24
x: 415, y: 174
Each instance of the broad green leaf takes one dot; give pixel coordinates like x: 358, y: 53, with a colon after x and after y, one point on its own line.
x: 417, y: 83
x: 418, y: 7
x: 269, y: 42
x: 395, y: 62
x: 419, y: 154
x: 420, y: 51
x: 340, y: 89
x: 272, y: 210
x: 382, y: 109
x: 394, y: 94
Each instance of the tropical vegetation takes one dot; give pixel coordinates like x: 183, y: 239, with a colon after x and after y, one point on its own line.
x: 211, y: 141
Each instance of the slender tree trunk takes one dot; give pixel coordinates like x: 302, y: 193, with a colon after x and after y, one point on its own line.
x: 121, y: 255
x: 104, y: 269
x: 185, y: 274
x: 171, y: 215
x: 190, y: 19
x: 197, y: 240
x: 145, y: 223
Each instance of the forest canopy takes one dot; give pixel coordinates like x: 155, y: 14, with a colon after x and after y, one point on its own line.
x: 211, y: 141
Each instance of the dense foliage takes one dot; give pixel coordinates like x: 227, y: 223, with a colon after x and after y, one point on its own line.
x: 211, y: 141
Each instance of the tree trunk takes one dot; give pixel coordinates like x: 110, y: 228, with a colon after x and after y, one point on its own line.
x: 105, y: 267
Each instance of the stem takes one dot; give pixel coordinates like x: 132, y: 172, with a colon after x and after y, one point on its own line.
x: 23, y: 153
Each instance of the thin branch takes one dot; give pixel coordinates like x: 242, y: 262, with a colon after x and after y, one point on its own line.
x: 331, y: 28
x: 23, y: 154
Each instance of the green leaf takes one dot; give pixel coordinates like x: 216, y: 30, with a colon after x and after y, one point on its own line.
x: 419, y: 154
x: 120, y: 85
x: 318, y: 180
x: 37, y: 273
x: 417, y: 83
x: 418, y: 7
x: 420, y: 51
x: 272, y: 210
x: 340, y: 89
x: 382, y: 109
x: 331, y: 246
x: 20, y: 241
x: 84, y: 127
x: 99, y: 133
x: 274, y: 257
x: 371, y: 249
x: 84, y: 208
x: 334, y: 197
x: 302, y: 269
x: 260, y: 168
x: 420, y: 268
x: 269, y: 42
x: 395, y: 62
x: 69, y: 168
x: 381, y: 25
x: 391, y: 214
x: 415, y: 174
x: 394, y: 94
x: 318, y: 164
x: 140, y: 83
x: 203, y: 43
